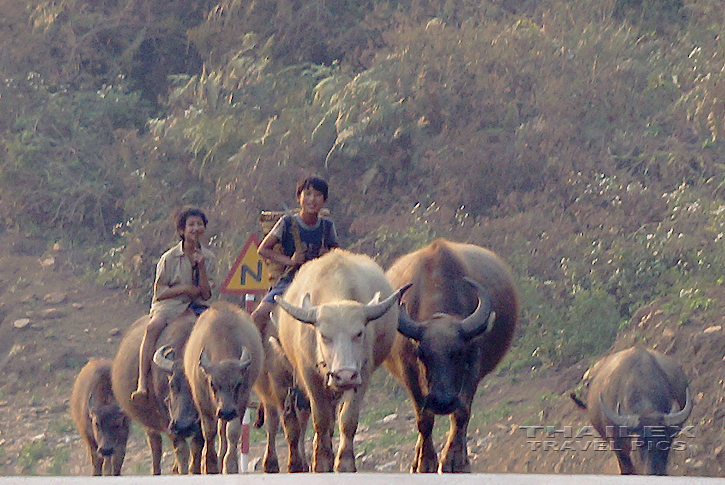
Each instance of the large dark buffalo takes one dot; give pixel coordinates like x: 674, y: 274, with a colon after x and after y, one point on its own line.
x: 461, y: 314
x: 223, y: 359
x: 641, y: 394
x: 170, y: 408
x: 101, y: 423
x: 337, y: 336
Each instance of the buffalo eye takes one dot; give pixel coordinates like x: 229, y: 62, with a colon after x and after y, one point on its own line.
x: 359, y: 336
x: 325, y: 339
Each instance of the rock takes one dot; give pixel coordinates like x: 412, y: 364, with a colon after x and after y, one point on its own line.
x: 387, y: 467
x: 52, y: 313
x: 114, y: 332
x: 714, y: 328
x: 389, y: 418
x: 21, y: 323
x: 55, y: 297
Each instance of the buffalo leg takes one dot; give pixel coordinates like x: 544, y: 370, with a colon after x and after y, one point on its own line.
x: 154, y: 441
x: 296, y: 415
x: 96, y: 459
x: 117, y: 458
x: 223, y: 442
x: 107, y: 465
x: 623, y: 448
x: 196, y: 449
x: 324, y: 421
x: 231, y: 455
x: 349, y: 415
x: 271, y: 417
x: 208, y: 427
x: 181, y: 455
x: 454, y: 457
x: 425, y: 459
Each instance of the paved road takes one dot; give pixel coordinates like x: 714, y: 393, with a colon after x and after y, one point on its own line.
x: 365, y: 479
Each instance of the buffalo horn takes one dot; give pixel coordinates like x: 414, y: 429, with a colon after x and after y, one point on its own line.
x: 627, y: 420
x: 375, y: 310
x: 306, y: 313
x: 679, y: 417
x: 245, y: 359
x: 477, y: 322
x: 409, y: 327
x: 162, y: 360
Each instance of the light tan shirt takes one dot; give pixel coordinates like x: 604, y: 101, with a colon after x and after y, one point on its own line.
x: 174, y: 268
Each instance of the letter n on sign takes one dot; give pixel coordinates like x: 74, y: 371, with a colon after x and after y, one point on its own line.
x: 249, y: 274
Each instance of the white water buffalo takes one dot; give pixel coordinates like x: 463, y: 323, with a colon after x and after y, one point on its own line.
x: 641, y: 397
x: 335, y: 331
x: 461, y: 314
x: 223, y: 359
x: 170, y: 408
x: 99, y: 420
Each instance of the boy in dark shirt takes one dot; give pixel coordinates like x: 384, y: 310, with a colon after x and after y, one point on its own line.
x: 303, y: 236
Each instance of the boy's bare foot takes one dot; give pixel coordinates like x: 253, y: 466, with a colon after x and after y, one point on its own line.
x: 139, y: 395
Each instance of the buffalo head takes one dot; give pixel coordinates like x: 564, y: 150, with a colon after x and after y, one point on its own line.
x: 341, y: 334
x: 444, y: 350
x: 178, y: 400
x: 109, y: 424
x: 226, y: 379
x: 654, y: 430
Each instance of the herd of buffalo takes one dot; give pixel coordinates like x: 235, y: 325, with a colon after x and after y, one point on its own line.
x: 439, y: 320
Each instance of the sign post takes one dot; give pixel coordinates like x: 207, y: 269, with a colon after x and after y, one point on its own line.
x: 248, y: 276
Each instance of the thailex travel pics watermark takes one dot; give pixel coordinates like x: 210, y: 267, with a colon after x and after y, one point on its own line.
x: 571, y: 438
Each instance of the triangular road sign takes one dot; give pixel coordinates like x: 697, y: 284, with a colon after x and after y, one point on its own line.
x: 249, y: 274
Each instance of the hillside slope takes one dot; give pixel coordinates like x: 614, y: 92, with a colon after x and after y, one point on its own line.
x: 70, y: 321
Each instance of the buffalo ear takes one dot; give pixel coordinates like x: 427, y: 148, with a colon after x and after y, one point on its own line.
x: 409, y: 327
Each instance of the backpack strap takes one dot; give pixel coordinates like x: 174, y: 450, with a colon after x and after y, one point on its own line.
x: 296, y: 234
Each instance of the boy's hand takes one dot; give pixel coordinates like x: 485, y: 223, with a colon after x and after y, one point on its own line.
x: 298, y: 258
x: 197, y: 257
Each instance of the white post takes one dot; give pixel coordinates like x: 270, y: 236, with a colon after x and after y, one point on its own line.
x: 244, y: 458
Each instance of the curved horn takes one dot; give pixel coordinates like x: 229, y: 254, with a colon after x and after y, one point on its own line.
x: 679, y: 417
x: 477, y: 322
x: 162, y: 360
x: 375, y: 310
x: 245, y: 359
x: 627, y: 420
x: 306, y: 313
x: 409, y: 327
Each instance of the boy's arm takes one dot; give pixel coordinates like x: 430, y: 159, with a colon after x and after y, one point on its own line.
x: 162, y: 288
x: 266, y: 249
x: 205, y: 275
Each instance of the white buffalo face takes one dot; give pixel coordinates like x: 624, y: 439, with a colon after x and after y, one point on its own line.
x: 341, y: 334
x: 341, y: 343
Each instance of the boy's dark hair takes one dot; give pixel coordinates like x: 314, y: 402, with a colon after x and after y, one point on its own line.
x: 184, y: 214
x: 315, y: 182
